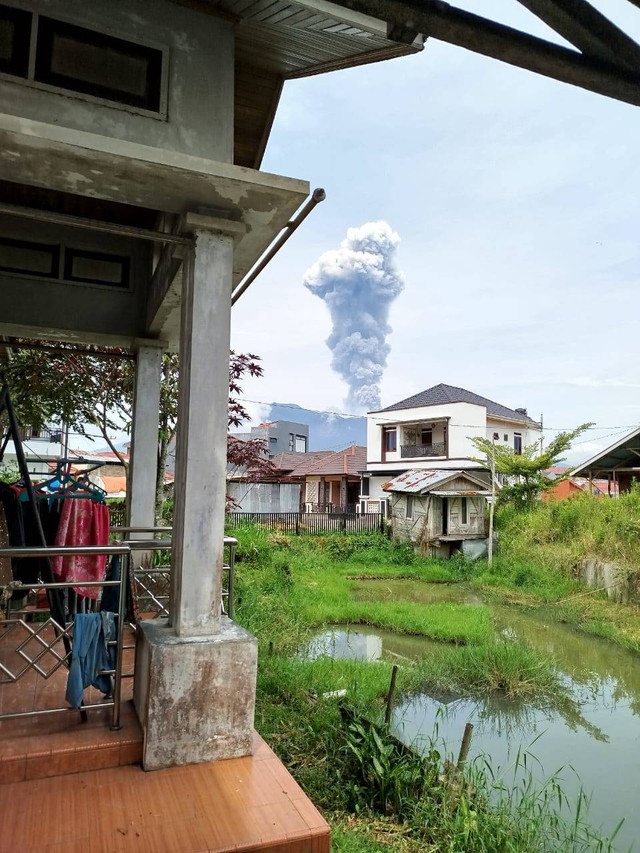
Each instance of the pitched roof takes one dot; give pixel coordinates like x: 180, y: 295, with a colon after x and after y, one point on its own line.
x: 289, y: 462
x: 439, y: 394
x: 350, y: 461
x: 418, y: 481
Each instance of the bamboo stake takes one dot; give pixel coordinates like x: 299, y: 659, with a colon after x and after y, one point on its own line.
x: 392, y: 690
x: 464, y: 746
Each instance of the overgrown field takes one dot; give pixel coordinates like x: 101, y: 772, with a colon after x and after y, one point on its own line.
x: 377, y: 799
x: 539, y: 550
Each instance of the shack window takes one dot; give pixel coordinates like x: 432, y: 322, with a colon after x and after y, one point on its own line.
x: 506, y: 437
x: 517, y: 443
x: 96, y: 64
x: 464, y: 511
x: 15, y: 35
x: 409, y: 506
x: 390, y: 439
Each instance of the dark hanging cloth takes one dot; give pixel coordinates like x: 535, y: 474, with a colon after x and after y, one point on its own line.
x: 110, y: 594
x: 91, y: 654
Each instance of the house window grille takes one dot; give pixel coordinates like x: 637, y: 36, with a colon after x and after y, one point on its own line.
x: 29, y: 258
x: 96, y: 268
x: 47, y: 52
x: 15, y: 35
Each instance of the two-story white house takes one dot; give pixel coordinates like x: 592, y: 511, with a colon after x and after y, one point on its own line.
x: 433, y: 430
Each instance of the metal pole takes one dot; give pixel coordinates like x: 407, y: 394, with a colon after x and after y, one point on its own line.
x: 317, y: 196
x: 493, y: 501
x: 117, y: 680
x: 232, y: 570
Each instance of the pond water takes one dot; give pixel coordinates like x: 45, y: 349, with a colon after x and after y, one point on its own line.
x: 594, y: 737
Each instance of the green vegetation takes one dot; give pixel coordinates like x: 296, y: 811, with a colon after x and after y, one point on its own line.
x: 541, y: 546
x: 379, y: 796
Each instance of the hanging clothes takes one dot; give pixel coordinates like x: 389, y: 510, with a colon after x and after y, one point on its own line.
x: 91, y: 654
x: 82, y: 522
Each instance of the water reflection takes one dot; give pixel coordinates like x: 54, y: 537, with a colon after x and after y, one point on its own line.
x: 593, y: 730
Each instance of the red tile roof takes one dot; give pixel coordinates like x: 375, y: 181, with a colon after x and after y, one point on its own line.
x: 350, y: 461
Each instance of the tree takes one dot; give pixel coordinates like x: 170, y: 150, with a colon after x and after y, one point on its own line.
x: 525, y: 472
x: 91, y: 392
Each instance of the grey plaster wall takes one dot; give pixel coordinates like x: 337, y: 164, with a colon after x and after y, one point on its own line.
x: 200, y: 47
x: 46, y: 303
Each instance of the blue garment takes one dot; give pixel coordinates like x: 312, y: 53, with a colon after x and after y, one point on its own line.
x: 90, y: 654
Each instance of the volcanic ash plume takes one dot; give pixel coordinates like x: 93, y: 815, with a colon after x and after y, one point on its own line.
x: 358, y: 282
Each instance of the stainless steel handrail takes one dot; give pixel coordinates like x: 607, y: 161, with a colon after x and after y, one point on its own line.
x: 73, y: 551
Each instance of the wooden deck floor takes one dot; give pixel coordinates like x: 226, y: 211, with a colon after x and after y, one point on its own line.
x: 73, y: 787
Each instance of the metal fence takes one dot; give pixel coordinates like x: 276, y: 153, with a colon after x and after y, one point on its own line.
x: 310, y: 522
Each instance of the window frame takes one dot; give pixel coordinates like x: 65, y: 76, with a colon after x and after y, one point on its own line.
x: 365, y: 487
x: 428, y: 430
x: 464, y: 511
x: 517, y: 443
x: 55, y: 250
x: 387, y: 433
x: 159, y: 115
x: 409, y: 508
x: 23, y: 23
x: 70, y: 253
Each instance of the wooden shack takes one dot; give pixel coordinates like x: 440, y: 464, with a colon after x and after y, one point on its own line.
x: 440, y: 511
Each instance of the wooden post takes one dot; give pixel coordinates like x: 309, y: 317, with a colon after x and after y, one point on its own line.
x: 392, y: 690
x: 464, y: 746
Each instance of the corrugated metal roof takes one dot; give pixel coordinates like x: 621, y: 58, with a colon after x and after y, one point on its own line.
x: 277, y: 40
x: 442, y: 394
x: 624, y: 453
x: 416, y: 481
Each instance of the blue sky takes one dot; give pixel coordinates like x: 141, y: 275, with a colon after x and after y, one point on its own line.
x: 516, y: 200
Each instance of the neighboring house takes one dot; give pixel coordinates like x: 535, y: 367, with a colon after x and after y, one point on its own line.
x: 433, y: 430
x: 332, y: 484
x: 442, y: 511
x: 279, y: 436
x: 576, y: 485
x: 40, y: 447
x: 320, y: 481
x: 618, y: 465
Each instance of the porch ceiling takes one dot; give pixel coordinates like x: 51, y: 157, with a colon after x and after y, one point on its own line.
x: 71, y: 161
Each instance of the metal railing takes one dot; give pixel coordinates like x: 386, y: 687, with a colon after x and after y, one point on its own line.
x: 415, y: 451
x: 153, y: 583
x: 62, y: 633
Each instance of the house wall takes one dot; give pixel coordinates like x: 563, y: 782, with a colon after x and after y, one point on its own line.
x: 265, y: 497
x: 465, y: 421
x: 529, y: 434
x: 200, y: 62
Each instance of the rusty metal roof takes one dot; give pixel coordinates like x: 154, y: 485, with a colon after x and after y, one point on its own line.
x: 417, y: 481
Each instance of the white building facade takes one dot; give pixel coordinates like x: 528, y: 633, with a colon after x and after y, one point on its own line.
x: 434, y: 430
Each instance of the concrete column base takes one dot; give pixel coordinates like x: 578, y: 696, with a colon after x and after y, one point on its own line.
x: 194, y: 696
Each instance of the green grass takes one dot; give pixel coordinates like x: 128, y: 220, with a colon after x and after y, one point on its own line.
x: 288, y: 589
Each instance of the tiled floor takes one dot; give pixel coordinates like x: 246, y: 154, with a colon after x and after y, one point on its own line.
x: 73, y: 787
x: 244, y: 804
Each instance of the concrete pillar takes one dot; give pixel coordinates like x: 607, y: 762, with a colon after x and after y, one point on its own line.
x: 195, y: 678
x: 144, y: 437
x: 201, y: 447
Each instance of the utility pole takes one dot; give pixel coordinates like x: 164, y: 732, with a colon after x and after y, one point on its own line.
x: 492, y: 505
x: 541, y: 433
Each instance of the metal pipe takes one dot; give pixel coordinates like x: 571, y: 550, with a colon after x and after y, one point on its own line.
x: 55, y: 711
x: 117, y: 681
x: 148, y: 544
x: 317, y: 196
x: 22, y: 587
x: 67, y: 351
x: 140, y: 529
x: 93, y: 224
x: 66, y: 551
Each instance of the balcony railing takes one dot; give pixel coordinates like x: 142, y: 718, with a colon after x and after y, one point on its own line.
x: 415, y: 451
